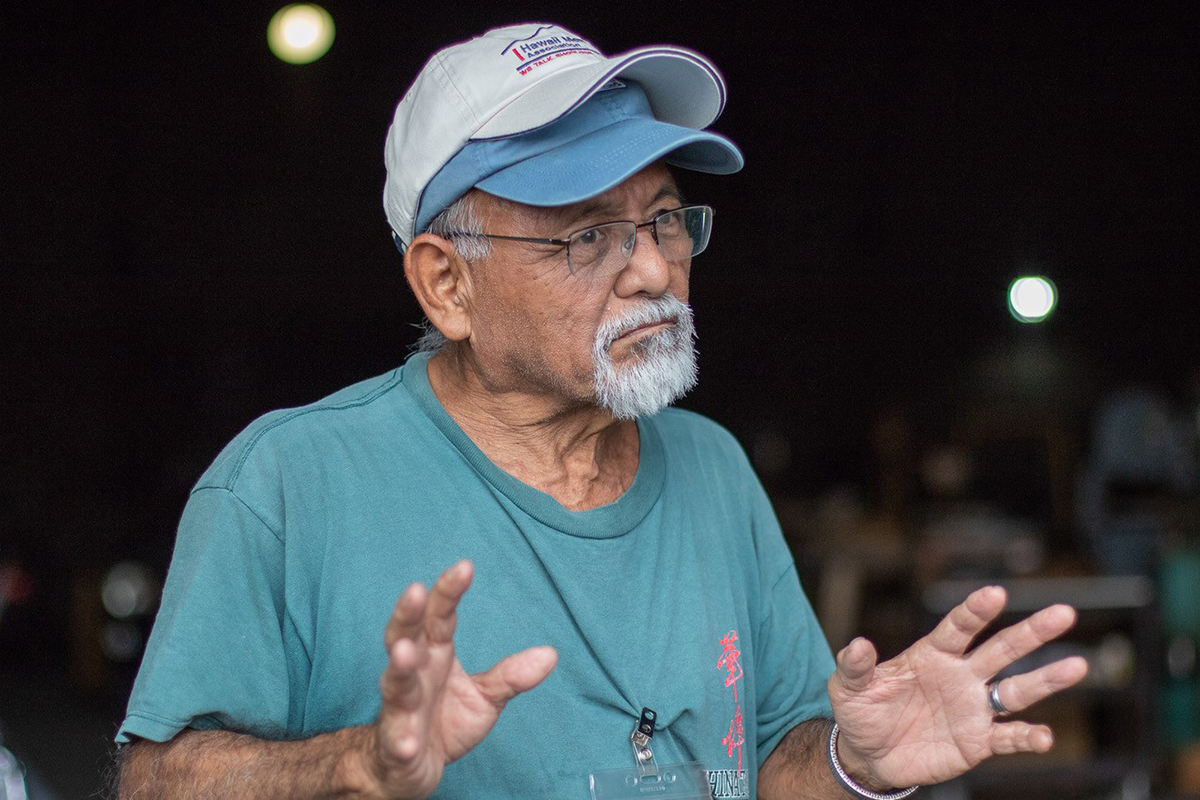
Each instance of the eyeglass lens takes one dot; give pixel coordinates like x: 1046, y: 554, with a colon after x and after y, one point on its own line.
x: 606, y: 249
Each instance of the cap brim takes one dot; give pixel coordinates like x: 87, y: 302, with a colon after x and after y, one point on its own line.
x: 595, y: 163
x: 682, y: 86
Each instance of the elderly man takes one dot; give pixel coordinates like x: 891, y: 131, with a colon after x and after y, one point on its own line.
x: 625, y: 560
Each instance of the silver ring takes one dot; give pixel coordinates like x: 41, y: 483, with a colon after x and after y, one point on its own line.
x: 994, y: 700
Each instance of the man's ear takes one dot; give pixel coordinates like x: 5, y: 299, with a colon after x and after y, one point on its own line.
x: 441, y: 282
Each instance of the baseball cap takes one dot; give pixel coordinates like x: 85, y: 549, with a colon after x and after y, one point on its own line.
x: 535, y: 113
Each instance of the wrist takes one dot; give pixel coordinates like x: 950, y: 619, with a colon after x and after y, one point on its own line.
x: 856, y: 766
x: 356, y: 773
x: 859, y: 780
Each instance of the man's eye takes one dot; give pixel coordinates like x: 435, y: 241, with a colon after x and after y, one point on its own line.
x: 669, y: 222
x: 588, y: 237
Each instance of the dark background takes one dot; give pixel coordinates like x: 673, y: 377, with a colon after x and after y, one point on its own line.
x: 191, y: 235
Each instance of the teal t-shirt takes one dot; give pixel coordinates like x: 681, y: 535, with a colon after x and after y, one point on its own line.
x: 681, y: 596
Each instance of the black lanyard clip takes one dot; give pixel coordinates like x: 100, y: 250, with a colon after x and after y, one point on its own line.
x: 643, y: 756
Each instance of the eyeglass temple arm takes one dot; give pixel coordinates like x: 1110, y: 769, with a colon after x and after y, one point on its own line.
x: 559, y: 242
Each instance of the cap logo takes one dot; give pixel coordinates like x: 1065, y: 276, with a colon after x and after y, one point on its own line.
x: 532, y: 52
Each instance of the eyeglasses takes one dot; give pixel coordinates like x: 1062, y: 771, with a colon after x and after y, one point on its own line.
x: 605, y: 249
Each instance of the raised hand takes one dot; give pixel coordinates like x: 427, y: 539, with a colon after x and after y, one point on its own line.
x: 433, y: 711
x: 924, y: 716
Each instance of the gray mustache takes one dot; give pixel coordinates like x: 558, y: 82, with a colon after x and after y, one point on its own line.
x: 667, y: 308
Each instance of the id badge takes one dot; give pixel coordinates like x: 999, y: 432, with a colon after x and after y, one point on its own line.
x: 686, y: 781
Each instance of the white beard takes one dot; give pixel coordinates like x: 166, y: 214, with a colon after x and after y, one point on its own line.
x: 664, y: 367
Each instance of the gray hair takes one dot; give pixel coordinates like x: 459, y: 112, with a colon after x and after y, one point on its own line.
x: 461, y: 224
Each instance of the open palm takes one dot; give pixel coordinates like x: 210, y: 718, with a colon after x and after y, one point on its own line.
x: 923, y: 717
x: 433, y: 712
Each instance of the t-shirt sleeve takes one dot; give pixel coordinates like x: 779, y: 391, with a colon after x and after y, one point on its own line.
x: 215, y: 658
x: 794, y: 665
x: 793, y: 657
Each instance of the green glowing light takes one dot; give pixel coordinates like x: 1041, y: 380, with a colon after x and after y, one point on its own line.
x: 300, y: 33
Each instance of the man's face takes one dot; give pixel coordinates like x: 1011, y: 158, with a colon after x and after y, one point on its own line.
x: 621, y: 341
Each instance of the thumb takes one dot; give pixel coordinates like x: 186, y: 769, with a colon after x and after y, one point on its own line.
x: 517, y: 673
x: 856, y: 665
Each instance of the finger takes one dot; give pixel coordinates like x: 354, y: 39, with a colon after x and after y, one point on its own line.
x: 408, y: 616
x: 518, y: 673
x: 441, y: 617
x: 403, y: 729
x: 1021, y: 691
x: 1017, y: 641
x: 400, y: 684
x: 1020, y: 737
x: 401, y: 740
x: 964, y: 622
x: 856, y: 665
x: 403, y: 735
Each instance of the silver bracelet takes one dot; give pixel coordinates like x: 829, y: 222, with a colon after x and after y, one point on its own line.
x: 848, y: 783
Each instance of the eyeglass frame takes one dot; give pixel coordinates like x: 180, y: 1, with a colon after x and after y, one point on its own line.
x: 652, y: 223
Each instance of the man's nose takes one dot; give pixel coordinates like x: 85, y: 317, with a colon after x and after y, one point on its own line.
x: 648, y: 271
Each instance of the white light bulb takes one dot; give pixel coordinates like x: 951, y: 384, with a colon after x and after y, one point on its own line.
x: 1031, y: 299
x: 301, y: 27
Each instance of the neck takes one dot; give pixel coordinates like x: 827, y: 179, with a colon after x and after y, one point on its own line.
x: 575, y: 452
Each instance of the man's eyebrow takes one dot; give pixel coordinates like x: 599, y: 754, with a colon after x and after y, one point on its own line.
x: 670, y: 190
x: 609, y: 210
x: 589, y: 208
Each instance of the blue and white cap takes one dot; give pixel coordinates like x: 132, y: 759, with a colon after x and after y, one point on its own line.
x: 535, y: 114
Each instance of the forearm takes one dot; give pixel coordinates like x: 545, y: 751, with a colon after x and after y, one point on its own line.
x: 230, y: 765
x: 798, y: 768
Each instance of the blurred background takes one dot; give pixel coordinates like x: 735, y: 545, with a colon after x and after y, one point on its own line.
x: 191, y: 235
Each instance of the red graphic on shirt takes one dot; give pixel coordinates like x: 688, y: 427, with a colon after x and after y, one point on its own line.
x: 736, y: 737
x: 729, y: 662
